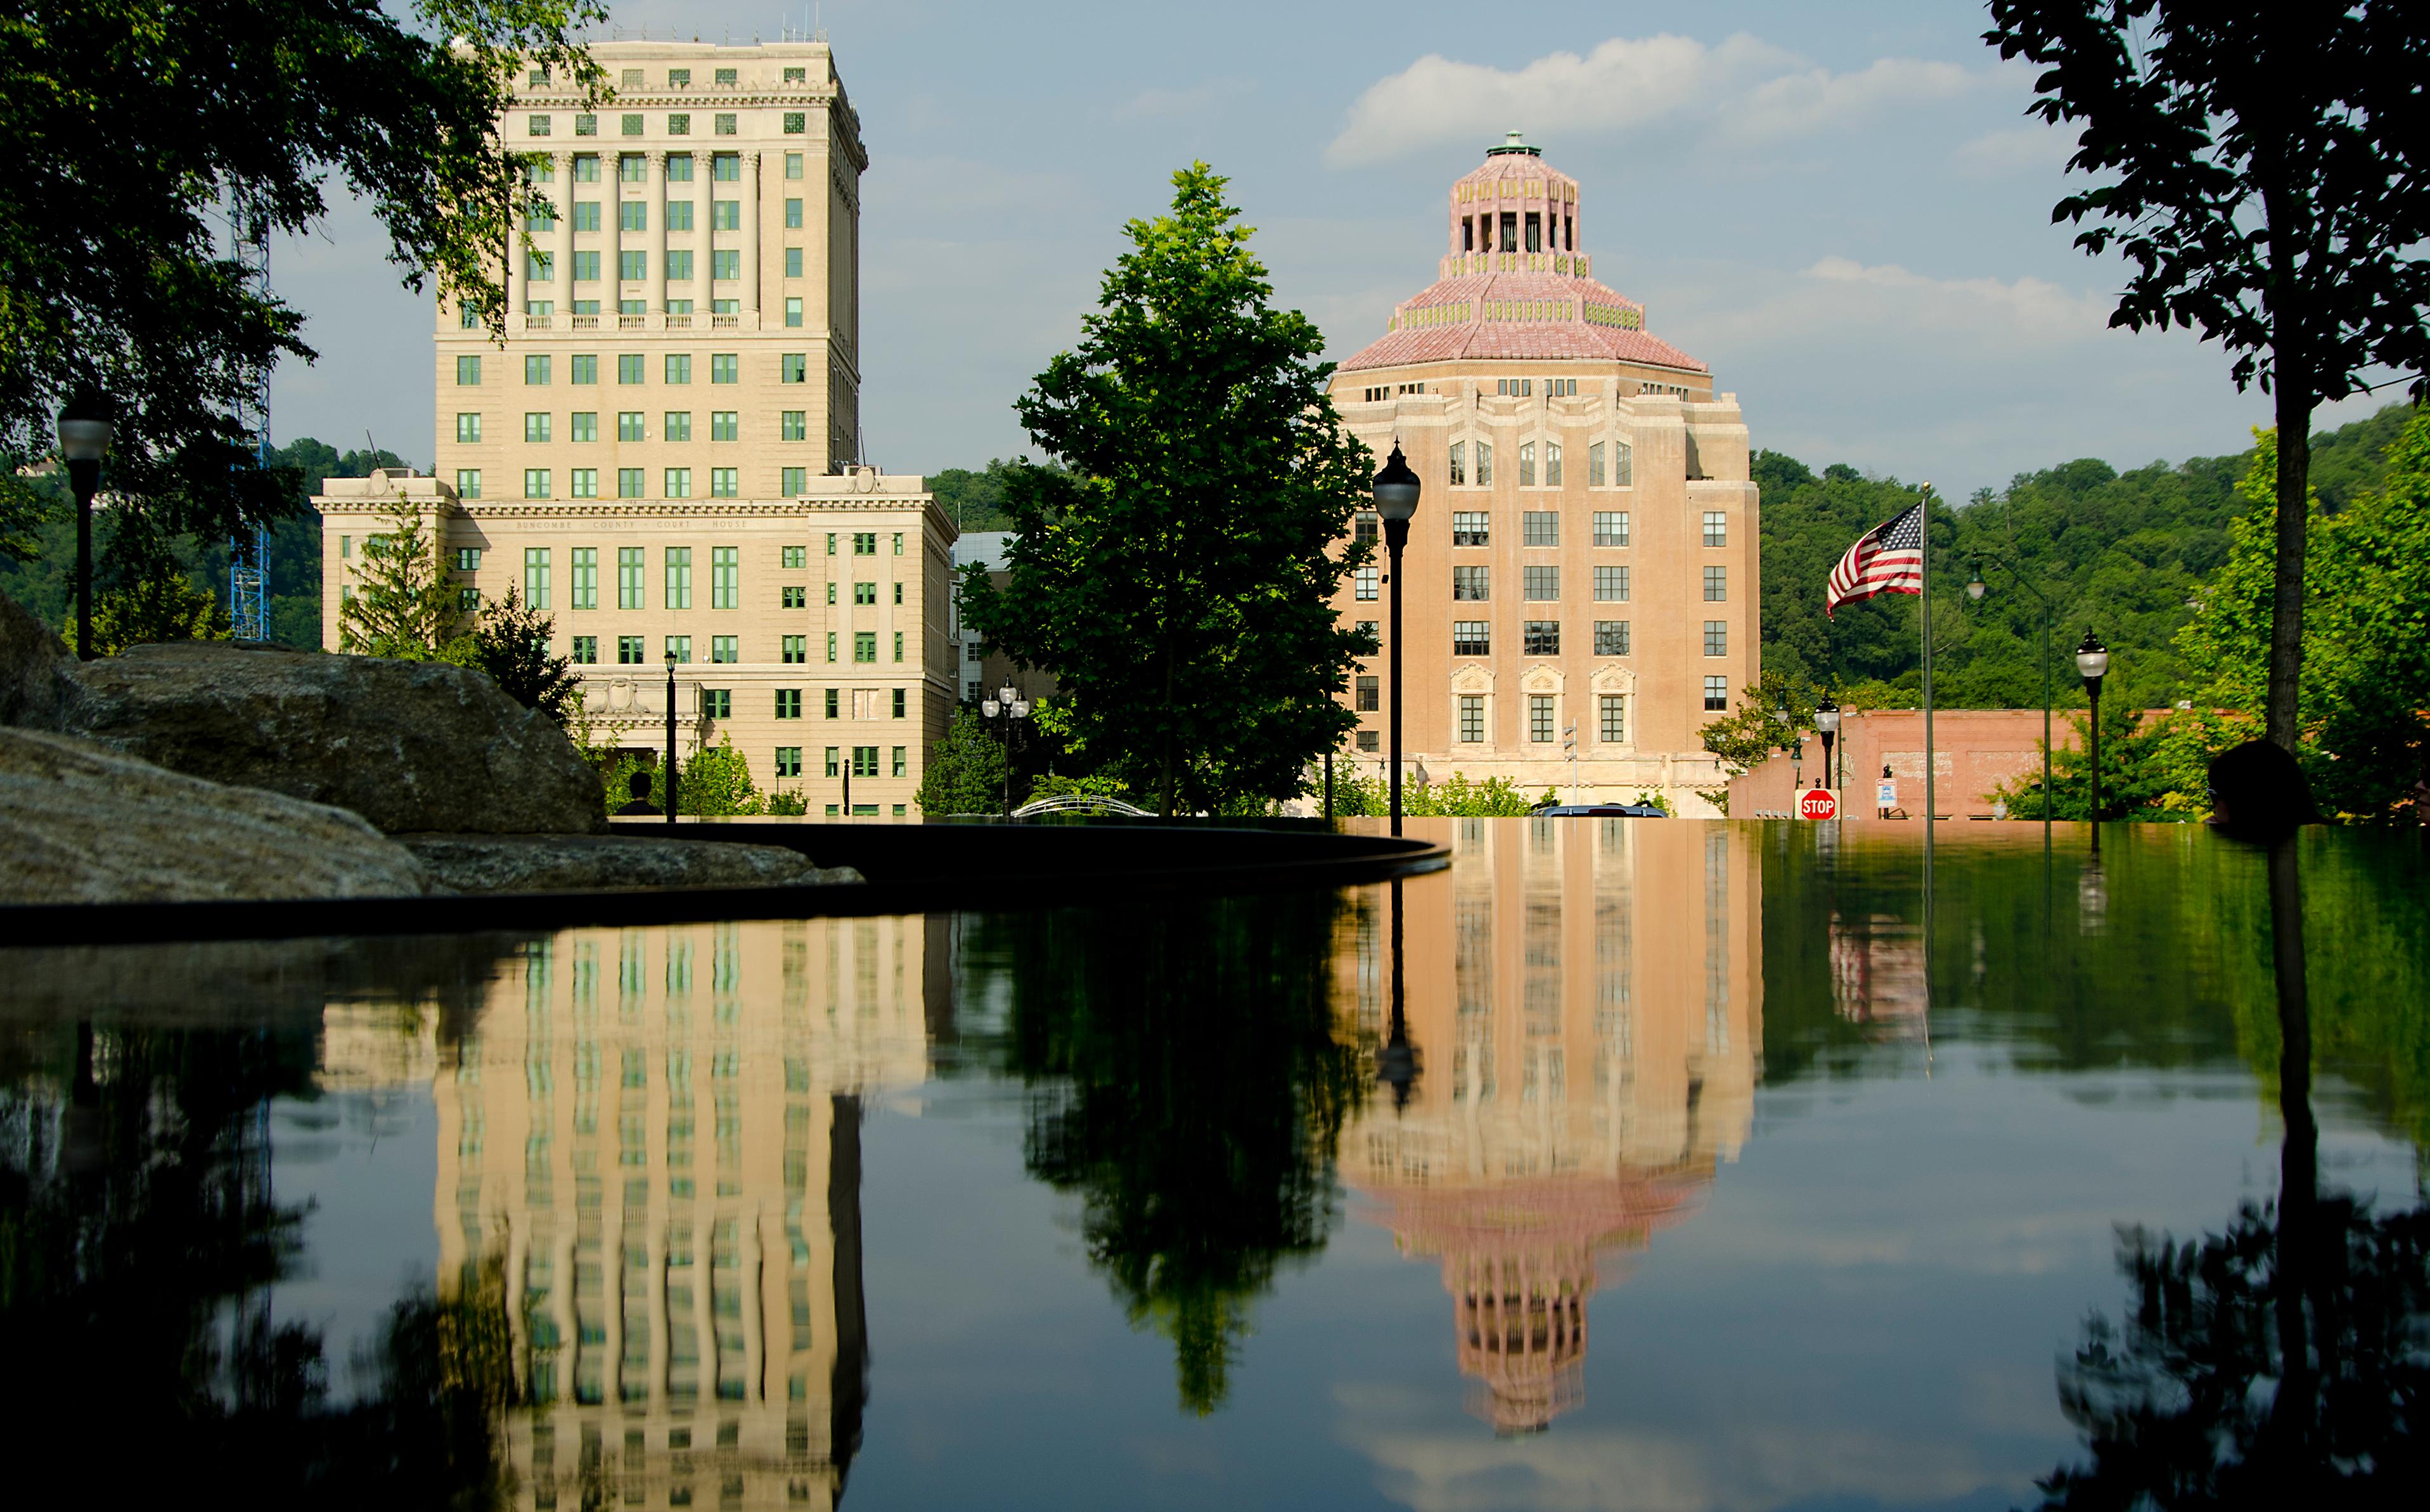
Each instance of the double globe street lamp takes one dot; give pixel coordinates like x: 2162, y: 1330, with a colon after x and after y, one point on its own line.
x: 1396, y: 501
x: 1010, y: 707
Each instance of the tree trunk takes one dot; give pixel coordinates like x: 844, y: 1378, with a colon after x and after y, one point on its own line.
x: 2292, y: 388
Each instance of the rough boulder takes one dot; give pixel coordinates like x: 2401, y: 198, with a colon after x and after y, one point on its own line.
x: 587, y: 863
x: 37, y: 682
x: 409, y: 745
x: 83, y: 824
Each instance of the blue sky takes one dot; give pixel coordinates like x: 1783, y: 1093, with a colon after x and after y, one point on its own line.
x: 1843, y: 208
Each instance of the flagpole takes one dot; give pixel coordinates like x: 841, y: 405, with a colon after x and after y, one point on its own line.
x: 1931, y: 804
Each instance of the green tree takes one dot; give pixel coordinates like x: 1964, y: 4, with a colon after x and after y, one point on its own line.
x: 1177, y: 580
x: 142, y: 129
x: 716, y: 783
x: 511, y: 643
x: 151, y: 612
x: 2263, y: 169
x: 403, y: 604
x: 965, y: 769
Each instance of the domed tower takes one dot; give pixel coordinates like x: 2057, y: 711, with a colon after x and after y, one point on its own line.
x: 1581, y: 578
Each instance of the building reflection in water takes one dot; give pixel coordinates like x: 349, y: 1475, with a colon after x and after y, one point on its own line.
x: 656, y: 1132
x: 1877, y: 974
x: 1584, y: 998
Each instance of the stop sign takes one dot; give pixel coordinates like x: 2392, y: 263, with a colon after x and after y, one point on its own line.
x: 1818, y: 803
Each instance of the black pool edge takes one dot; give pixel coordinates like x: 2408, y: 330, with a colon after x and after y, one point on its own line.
x: 981, y: 869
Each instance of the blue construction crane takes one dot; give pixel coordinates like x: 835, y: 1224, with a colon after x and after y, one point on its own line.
x: 249, y: 567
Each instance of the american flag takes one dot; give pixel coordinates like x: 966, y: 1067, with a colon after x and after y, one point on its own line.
x: 1888, y: 561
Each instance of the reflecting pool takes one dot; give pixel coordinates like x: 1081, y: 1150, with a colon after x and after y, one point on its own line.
x: 1625, y: 1164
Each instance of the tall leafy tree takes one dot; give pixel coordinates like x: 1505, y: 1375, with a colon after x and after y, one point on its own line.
x: 511, y: 643
x: 2266, y: 170
x: 145, y: 135
x: 403, y: 604
x: 1176, y: 580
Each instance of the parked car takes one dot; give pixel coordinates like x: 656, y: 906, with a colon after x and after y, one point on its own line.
x: 1597, y: 811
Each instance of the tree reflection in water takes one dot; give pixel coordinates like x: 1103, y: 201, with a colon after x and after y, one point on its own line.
x: 1185, y: 1081
x: 2283, y: 1361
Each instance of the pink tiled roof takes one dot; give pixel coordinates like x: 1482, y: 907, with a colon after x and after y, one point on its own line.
x: 1477, y: 339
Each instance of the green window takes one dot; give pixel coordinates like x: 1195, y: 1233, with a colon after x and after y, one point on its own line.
x: 539, y: 267
x: 796, y: 482
x: 788, y: 702
x: 678, y: 483
x: 631, y: 167
x: 864, y: 543
x: 796, y: 649
x: 536, y: 575
x: 468, y: 429
x: 793, y: 215
x: 864, y: 646
x: 793, y: 159
x: 725, y: 367
x: 633, y: 215
x: 725, y: 264
x: 795, y: 367
x: 586, y: 577
x: 864, y: 763
x: 724, y: 648
x: 628, y: 367
x: 831, y: 645
x: 679, y: 218
x: 835, y: 702
x: 793, y: 262
x: 678, y: 168
x: 584, y: 426
x: 833, y: 752
x: 468, y: 372
x: 831, y: 592
x: 586, y: 168
x: 794, y: 425
x: 586, y: 264
x: 725, y: 483
x: 725, y: 577
x: 585, y: 651
x: 902, y: 762
x: 725, y: 167
x: 902, y: 702
x: 831, y: 542
x: 678, y: 578
x: 628, y: 425
x: 789, y: 760
x: 797, y: 555
x: 898, y: 645
x: 679, y: 649
x: 717, y: 703
x: 630, y: 569
x: 628, y: 651
x: 678, y: 425
x: 793, y: 311
x: 536, y: 427
x: 678, y: 367
x: 632, y: 267
x: 582, y: 483
x: 535, y: 483
x: 864, y: 592
x: 797, y: 598
x: 468, y: 483
x: 678, y: 264
x: 724, y: 424
x: 629, y: 484
x: 898, y: 544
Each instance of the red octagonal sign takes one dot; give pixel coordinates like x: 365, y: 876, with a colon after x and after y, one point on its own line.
x: 1817, y: 803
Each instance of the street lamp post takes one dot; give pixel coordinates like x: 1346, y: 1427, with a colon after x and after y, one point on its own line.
x: 84, y: 440
x: 671, y: 735
x: 1012, y: 707
x: 1796, y: 771
x: 2092, y: 662
x: 1974, y: 590
x: 1827, y: 725
x: 1396, y: 500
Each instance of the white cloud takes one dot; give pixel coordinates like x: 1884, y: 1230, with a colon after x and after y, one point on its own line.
x: 1745, y: 85
x: 1884, y: 294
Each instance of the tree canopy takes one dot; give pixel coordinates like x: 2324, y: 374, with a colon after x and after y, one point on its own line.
x: 1178, y: 580
x: 152, y: 139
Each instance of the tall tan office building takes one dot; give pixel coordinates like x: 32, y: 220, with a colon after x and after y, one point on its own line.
x: 1585, y: 1000
x: 650, y: 1142
x: 1583, y: 563
x: 665, y: 453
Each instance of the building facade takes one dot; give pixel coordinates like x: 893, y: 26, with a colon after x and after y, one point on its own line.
x: 662, y: 451
x: 1583, y: 566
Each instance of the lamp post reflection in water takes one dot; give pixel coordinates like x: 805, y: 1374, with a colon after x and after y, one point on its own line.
x: 1600, y: 1013
x: 1397, y: 1066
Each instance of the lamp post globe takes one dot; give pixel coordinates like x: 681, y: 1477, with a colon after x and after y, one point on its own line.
x: 1396, y: 490
x: 1827, y: 725
x: 1975, y: 584
x: 2092, y: 664
x: 85, y: 430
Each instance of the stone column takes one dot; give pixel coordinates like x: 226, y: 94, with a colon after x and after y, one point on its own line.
x: 658, y: 234
x: 612, y: 166
x: 751, y: 233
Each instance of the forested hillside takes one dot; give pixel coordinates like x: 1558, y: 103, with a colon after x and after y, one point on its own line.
x: 2121, y: 554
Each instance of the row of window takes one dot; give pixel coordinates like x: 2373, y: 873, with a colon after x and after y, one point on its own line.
x: 633, y: 651
x: 1542, y: 527
x: 718, y: 703
x: 633, y: 167
x: 635, y: 123
x: 1609, y: 464
x: 539, y: 367
x: 1543, y: 585
x: 633, y: 483
x: 632, y: 570
x: 582, y: 425
x: 1543, y: 715
x: 1542, y: 638
x: 864, y: 764
x: 1526, y: 387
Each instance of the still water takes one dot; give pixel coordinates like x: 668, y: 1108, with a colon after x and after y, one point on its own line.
x: 1696, y: 1169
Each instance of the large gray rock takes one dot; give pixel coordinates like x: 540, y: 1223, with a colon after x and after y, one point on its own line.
x: 82, y: 825
x: 409, y: 745
x: 37, y: 671
x: 584, y: 863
